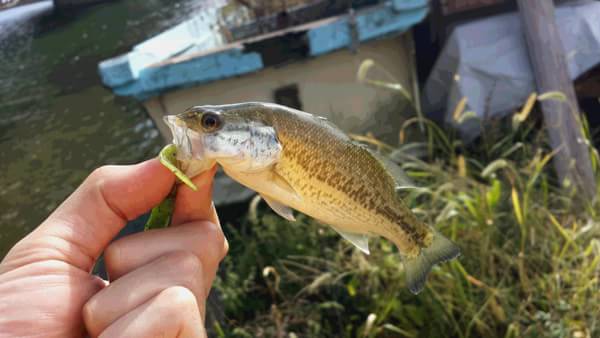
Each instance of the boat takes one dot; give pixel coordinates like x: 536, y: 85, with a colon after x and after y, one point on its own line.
x: 305, y: 56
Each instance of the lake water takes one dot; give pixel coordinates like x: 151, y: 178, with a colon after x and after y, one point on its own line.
x: 57, y: 122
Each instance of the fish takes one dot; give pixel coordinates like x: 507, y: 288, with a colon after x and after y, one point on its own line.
x: 300, y: 161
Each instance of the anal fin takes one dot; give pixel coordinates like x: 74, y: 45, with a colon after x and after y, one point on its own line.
x: 360, y: 241
x: 280, y: 209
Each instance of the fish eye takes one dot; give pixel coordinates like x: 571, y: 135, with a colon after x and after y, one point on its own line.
x: 210, y: 121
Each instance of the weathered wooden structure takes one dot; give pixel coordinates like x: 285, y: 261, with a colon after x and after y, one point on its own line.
x: 562, y: 117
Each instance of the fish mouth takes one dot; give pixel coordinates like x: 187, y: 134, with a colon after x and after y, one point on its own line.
x: 188, y: 142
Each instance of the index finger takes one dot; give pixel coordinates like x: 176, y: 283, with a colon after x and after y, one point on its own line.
x: 196, y: 205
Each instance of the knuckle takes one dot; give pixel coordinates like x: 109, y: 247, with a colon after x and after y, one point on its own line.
x: 99, y: 177
x: 112, y: 254
x: 215, y: 236
x: 185, y: 262
x: 100, y: 173
x: 180, y: 297
x: 225, y: 249
x: 189, y: 270
x: 88, y: 313
x: 100, y: 182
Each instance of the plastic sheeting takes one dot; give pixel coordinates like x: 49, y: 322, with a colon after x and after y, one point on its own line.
x: 487, y: 62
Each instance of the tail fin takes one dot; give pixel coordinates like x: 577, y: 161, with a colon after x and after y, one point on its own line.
x: 417, y: 268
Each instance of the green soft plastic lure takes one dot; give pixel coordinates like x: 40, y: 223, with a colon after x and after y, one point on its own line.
x: 160, y: 217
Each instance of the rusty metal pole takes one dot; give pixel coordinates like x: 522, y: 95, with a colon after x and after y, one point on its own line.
x: 561, y: 118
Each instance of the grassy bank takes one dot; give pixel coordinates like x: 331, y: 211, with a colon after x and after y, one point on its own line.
x: 529, y: 265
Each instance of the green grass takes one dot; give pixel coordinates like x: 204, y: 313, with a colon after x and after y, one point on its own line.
x: 530, y: 263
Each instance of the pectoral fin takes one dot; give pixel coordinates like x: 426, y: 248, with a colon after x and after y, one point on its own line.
x: 268, y: 181
x: 359, y: 240
x: 283, y: 184
x: 280, y: 209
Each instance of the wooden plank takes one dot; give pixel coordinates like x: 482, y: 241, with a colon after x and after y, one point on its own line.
x: 561, y: 118
x: 457, y: 6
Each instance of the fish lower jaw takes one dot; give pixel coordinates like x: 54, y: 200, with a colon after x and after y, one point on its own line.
x: 193, y: 167
x: 190, y: 147
x: 188, y: 142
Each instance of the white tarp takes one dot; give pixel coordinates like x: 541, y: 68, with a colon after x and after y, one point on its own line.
x: 487, y: 62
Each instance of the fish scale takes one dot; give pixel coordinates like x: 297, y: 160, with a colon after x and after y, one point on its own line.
x: 308, y: 150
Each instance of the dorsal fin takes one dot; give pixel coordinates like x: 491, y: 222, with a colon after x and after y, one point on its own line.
x: 400, y: 178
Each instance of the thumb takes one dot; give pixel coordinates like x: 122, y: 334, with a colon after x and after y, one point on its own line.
x: 84, y: 224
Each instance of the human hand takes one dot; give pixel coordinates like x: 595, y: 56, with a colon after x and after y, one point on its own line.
x: 159, y: 280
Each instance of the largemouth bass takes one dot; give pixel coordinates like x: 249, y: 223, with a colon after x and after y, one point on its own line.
x: 299, y: 161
